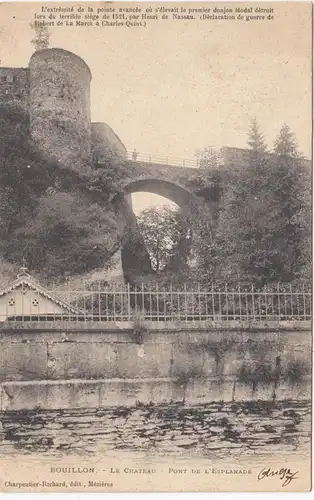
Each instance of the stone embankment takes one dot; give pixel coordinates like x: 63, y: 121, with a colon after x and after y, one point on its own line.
x: 78, y: 366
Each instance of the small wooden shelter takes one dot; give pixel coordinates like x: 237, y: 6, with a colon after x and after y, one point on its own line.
x: 26, y: 300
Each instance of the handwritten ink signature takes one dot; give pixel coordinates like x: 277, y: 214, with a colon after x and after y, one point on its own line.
x: 286, y: 475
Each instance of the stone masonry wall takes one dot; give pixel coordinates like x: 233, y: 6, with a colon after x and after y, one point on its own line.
x: 105, y: 143
x: 198, y: 363
x: 60, y: 106
x: 14, y: 87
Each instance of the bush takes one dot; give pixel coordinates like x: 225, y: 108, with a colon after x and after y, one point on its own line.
x: 296, y: 371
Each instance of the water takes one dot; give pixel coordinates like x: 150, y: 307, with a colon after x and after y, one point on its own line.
x: 216, y: 430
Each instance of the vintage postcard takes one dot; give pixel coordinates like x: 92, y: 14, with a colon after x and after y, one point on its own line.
x: 155, y: 246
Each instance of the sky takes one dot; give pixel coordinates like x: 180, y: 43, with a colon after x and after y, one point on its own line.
x: 176, y: 87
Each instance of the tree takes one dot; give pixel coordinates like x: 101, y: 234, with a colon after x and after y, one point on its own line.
x: 286, y: 143
x: 208, y: 158
x: 162, y: 229
x: 256, y: 141
x: 8, y: 272
x: 42, y: 36
x: 264, y: 227
x: 259, y: 230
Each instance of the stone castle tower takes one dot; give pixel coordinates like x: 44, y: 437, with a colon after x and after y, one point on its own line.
x: 54, y: 94
x: 52, y: 97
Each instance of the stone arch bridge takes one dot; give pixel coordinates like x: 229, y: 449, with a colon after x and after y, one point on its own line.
x: 170, y: 181
x: 173, y: 178
x: 178, y: 184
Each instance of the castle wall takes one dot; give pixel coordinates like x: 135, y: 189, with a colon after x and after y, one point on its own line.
x: 60, y: 106
x: 105, y: 143
x: 239, y: 157
x: 14, y: 87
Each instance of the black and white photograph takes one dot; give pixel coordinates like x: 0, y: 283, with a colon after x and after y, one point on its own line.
x: 155, y: 246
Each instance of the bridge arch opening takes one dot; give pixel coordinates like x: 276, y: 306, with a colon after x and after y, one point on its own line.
x: 190, y: 206
x: 169, y: 190
x: 143, y: 200
x: 166, y: 199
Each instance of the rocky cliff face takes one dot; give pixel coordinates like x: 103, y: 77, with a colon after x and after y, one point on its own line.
x: 55, y: 212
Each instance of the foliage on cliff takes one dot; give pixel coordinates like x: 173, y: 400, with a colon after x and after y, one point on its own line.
x: 67, y: 234
x: 263, y: 234
x: 62, y: 222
